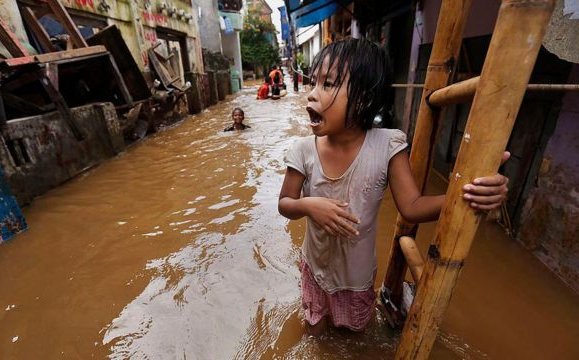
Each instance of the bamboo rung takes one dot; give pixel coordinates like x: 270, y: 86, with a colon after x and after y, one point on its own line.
x: 463, y: 91
x: 460, y: 92
x: 413, y: 257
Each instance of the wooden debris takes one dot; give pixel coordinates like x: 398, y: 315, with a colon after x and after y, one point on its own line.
x: 37, y: 29
x: 10, y: 41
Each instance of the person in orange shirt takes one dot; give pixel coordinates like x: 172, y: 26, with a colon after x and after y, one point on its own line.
x: 276, y: 76
x: 263, y: 92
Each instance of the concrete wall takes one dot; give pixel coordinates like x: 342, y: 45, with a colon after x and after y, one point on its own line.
x: 550, y: 218
x: 209, y: 30
x: 40, y: 152
x: 232, y: 49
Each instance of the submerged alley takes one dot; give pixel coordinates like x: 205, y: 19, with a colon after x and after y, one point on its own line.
x: 143, y: 147
x: 175, y: 249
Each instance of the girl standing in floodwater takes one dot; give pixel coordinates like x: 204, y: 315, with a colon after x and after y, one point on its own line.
x: 337, y: 177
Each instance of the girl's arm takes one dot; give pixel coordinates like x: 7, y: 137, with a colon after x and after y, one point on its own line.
x: 290, y: 203
x: 329, y: 214
x: 410, y: 203
x: 486, y: 193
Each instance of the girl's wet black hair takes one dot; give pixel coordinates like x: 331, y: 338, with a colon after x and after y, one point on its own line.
x: 238, y: 109
x: 370, y: 77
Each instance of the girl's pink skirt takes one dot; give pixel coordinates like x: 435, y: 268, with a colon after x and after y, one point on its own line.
x: 346, y: 308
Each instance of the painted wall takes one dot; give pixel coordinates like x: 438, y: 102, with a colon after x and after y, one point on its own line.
x: 550, y: 218
x: 140, y: 35
x: 232, y: 49
x: 209, y: 30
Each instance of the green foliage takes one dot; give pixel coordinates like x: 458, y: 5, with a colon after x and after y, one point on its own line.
x: 300, y: 60
x: 256, y: 49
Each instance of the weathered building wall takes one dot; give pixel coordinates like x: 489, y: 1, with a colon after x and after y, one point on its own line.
x: 209, y: 30
x: 40, y: 152
x: 550, y: 218
x: 178, y: 16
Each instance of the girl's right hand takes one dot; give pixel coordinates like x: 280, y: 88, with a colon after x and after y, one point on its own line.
x: 329, y: 214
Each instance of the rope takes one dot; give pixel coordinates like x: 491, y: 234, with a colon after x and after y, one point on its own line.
x: 299, y: 72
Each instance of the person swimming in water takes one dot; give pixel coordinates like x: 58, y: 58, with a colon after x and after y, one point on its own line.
x: 238, y: 116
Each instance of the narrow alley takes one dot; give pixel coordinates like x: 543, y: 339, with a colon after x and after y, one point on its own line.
x: 174, y: 249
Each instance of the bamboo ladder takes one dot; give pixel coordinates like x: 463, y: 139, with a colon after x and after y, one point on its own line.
x: 510, y: 59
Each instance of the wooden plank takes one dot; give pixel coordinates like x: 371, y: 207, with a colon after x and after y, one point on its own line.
x: 444, y: 56
x: 516, y: 40
x: 62, y: 15
x: 18, y: 61
x: 55, y: 56
x: 51, y: 73
x: 112, y: 39
x: 61, y: 106
x: 159, y: 69
x: 37, y: 29
x: 69, y: 54
x: 10, y: 41
x: 121, y: 82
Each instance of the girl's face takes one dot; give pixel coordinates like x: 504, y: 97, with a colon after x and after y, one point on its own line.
x: 327, y: 103
x: 237, y: 117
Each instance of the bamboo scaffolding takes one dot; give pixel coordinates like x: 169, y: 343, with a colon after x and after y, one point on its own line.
x: 464, y: 91
x: 443, y: 58
x: 512, y: 53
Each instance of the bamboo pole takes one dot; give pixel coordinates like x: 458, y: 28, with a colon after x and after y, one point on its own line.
x: 553, y: 87
x: 512, y: 53
x: 444, y: 55
x: 413, y: 258
x: 417, y: 86
x: 463, y: 91
x: 530, y: 87
x: 458, y: 93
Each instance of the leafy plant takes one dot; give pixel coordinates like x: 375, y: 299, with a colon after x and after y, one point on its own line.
x: 300, y: 60
x: 256, y: 49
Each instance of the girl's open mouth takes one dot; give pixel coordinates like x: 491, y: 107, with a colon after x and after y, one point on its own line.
x: 315, y: 117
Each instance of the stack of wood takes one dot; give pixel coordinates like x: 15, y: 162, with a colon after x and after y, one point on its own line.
x: 54, y: 79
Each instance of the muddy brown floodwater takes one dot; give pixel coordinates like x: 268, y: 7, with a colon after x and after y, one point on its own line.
x: 175, y: 250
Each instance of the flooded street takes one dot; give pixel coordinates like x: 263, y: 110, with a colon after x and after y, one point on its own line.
x: 175, y: 250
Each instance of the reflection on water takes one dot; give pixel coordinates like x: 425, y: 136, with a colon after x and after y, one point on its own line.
x: 175, y: 250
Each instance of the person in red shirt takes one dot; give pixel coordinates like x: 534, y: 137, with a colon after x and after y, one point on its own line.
x: 263, y: 92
